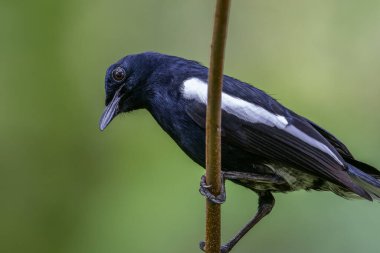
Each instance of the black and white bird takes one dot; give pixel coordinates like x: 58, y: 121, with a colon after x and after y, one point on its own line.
x: 265, y: 146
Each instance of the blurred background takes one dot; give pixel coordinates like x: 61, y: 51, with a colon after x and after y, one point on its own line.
x: 65, y: 187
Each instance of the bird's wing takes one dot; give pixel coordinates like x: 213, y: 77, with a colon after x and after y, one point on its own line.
x: 282, y: 137
x: 337, y: 144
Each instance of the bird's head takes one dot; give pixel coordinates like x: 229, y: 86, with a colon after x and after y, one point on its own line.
x: 146, y: 80
x: 125, y: 86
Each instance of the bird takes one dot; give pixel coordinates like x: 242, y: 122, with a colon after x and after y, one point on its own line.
x: 266, y: 147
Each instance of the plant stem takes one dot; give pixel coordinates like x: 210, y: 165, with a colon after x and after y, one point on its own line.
x: 213, y: 124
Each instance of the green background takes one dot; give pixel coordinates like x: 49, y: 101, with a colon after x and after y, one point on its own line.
x: 65, y: 187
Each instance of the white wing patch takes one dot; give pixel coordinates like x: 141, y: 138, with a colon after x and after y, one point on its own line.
x: 311, y: 141
x: 196, y: 89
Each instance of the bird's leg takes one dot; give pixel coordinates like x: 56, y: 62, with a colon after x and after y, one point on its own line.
x: 238, y: 176
x: 204, y: 190
x: 266, y: 203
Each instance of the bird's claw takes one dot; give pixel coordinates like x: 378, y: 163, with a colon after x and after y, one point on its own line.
x: 219, y: 199
x: 223, y: 248
x: 204, y: 190
x: 202, y: 245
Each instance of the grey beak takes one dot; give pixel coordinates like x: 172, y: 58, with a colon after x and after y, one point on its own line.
x: 111, y: 111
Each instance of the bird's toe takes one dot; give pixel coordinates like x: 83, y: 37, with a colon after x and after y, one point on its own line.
x: 204, y: 190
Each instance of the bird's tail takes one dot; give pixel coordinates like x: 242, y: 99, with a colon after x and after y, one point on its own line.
x: 366, y: 177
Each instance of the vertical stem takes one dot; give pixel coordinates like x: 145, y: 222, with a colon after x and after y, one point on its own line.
x: 213, y: 124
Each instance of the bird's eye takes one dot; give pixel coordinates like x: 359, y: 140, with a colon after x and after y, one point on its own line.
x: 118, y: 74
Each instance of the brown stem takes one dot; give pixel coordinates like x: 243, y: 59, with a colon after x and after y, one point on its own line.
x: 213, y: 124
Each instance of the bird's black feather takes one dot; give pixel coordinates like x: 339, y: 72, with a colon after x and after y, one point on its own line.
x: 337, y: 144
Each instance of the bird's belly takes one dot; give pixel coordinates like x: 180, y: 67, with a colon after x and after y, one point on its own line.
x: 276, y: 177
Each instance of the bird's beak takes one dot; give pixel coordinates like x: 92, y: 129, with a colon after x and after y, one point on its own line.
x: 111, y: 111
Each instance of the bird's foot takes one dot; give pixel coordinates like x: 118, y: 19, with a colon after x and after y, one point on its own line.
x: 223, y: 249
x: 204, y: 190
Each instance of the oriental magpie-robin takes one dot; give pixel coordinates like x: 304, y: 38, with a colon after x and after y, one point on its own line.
x: 265, y: 146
